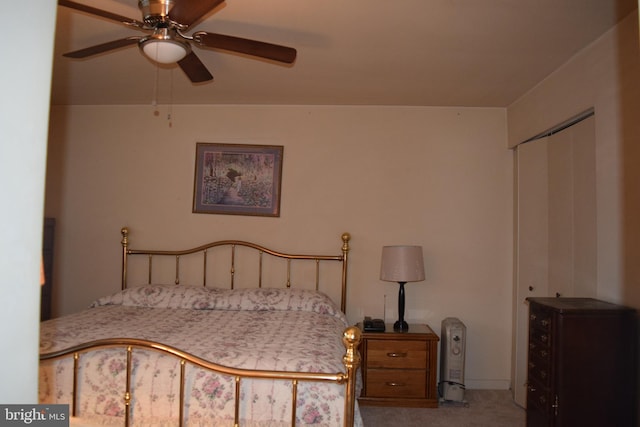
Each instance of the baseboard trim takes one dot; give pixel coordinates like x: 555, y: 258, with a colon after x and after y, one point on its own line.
x: 488, y: 384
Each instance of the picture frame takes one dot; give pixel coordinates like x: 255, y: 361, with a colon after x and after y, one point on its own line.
x: 237, y: 179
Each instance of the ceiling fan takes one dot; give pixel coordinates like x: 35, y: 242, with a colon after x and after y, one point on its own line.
x: 168, y: 20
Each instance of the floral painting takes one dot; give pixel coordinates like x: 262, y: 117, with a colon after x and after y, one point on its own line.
x: 238, y: 179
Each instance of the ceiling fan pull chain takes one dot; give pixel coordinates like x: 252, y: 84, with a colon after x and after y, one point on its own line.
x: 170, y: 100
x: 154, y: 102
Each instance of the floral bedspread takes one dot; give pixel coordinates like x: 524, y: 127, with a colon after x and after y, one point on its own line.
x: 271, y: 329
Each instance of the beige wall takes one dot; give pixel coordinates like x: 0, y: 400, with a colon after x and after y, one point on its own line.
x: 603, y: 76
x: 436, y: 177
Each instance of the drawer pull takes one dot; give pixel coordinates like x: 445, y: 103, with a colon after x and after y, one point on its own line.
x: 397, y: 354
x: 393, y: 384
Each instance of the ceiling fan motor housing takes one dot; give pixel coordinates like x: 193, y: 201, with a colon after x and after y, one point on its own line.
x: 155, y: 12
x: 164, y: 45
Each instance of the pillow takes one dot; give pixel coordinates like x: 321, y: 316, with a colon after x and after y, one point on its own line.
x: 201, y: 298
x: 282, y: 299
x: 162, y: 296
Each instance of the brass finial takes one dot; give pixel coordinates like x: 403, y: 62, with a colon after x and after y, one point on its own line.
x: 345, y: 241
x: 351, y: 339
x: 125, y: 234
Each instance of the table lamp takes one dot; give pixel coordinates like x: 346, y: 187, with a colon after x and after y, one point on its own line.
x: 401, y: 264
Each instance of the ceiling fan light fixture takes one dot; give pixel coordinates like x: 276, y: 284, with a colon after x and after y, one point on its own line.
x: 164, y: 51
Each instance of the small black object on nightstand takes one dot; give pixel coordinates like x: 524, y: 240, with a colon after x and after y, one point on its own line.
x: 373, y: 325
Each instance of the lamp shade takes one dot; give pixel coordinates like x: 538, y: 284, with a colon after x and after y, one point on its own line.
x: 402, y: 264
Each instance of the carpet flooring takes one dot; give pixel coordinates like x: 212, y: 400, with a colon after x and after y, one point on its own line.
x: 481, y: 408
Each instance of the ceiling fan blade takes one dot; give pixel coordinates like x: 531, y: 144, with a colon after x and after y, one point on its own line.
x: 186, y: 12
x: 246, y: 46
x: 103, y: 13
x: 104, y: 47
x: 194, y: 69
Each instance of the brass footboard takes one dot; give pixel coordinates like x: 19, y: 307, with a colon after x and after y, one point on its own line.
x: 351, y: 359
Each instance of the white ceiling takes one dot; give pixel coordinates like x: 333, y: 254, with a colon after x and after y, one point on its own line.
x: 484, y: 53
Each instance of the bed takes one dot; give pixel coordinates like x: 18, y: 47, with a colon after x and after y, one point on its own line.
x: 240, y: 335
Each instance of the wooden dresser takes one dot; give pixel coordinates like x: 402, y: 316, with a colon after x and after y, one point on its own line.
x: 399, y: 368
x: 581, y: 363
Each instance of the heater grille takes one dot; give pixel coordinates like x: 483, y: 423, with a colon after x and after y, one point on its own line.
x: 452, y: 355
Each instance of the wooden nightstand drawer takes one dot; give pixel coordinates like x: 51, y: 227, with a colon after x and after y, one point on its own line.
x: 394, y: 383
x: 397, y: 354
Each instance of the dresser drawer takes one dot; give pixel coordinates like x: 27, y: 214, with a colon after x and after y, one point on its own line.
x: 540, y: 335
x: 539, y: 370
x: 538, y: 397
x: 539, y: 365
x: 540, y: 318
x: 395, y: 383
x: 540, y: 350
x: 400, y: 354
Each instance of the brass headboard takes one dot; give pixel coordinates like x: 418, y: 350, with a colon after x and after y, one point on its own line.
x: 343, y: 258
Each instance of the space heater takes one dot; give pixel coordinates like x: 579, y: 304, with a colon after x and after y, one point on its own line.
x: 452, y: 350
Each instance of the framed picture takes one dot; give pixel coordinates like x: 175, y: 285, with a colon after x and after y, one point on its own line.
x: 237, y: 179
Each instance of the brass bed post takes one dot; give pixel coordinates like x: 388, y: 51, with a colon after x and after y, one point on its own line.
x: 236, y: 409
x: 204, y: 264
x: 127, y: 393
x: 183, y: 363
x: 150, y: 266
x: 345, y: 252
x: 74, y: 401
x: 233, y: 263
x: 294, y: 401
x: 260, y: 269
x: 125, y: 243
x: 351, y: 339
x: 177, y: 269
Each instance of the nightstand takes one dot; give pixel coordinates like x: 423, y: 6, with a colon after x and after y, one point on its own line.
x: 399, y: 368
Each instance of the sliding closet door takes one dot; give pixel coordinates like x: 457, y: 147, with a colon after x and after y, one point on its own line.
x: 532, y: 248
x: 585, y: 242
x: 572, y: 211
x: 556, y: 247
